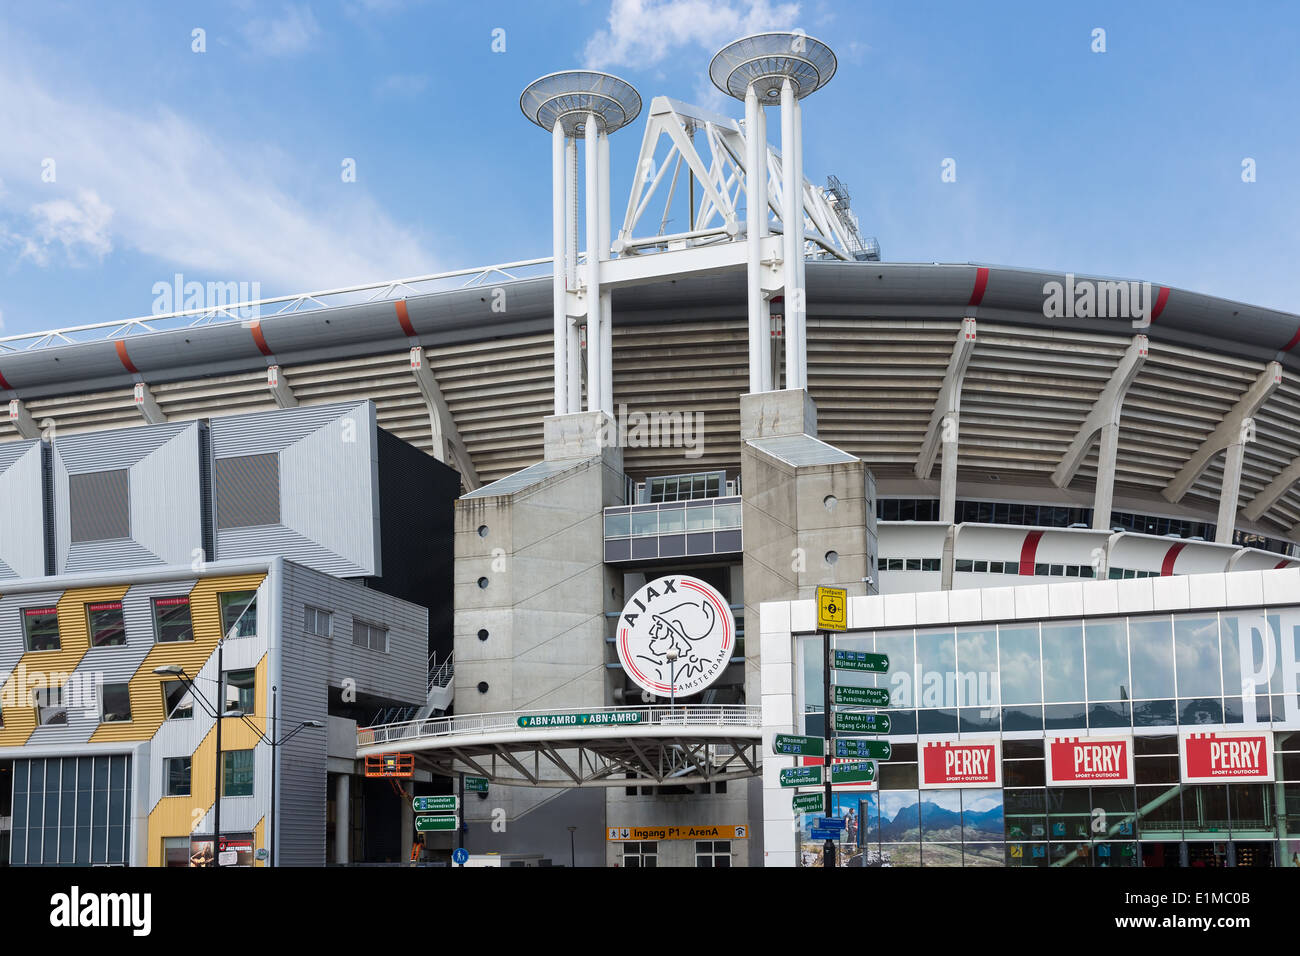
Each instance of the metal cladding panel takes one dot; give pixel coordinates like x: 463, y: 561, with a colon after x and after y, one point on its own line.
x: 22, y: 529
x: 162, y: 488
x: 310, y: 664
x: 328, y: 486
x: 15, y: 696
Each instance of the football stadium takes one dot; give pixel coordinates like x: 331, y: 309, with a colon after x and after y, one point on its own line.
x: 543, y: 539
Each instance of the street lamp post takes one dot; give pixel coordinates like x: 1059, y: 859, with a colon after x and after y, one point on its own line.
x: 572, y: 857
x: 672, y: 677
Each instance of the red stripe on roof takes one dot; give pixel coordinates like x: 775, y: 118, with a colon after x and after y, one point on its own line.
x: 1167, y: 566
x: 981, y: 283
x: 124, y: 358
x: 1281, y: 564
x: 1161, y: 298
x: 1295, y: 340
x: 404, y: 317
x: 1028, y: 551
x: 256, y: 328
x: 5, y: 385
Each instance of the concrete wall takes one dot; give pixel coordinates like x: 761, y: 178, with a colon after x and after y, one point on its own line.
x: 695, y: 810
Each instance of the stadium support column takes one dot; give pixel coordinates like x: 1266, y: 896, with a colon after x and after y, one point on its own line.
x: 595, y: 342
x: 571, y: 271
x: 558, y: 298
x: 792, y: 240
x: 800, y: 307
x: 943, y: 432
x: 760, y: 322
x: 606, y: 301
x: 342, y: 816
x: 1231, y: 489
x: 1103, y: 419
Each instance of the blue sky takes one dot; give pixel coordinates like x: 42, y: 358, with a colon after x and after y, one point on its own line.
x: 225, y: 165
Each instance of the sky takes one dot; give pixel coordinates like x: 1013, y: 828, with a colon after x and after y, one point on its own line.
x: 133, y: 148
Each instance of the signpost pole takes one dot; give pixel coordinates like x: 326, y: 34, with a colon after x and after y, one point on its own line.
x: 828, y: 853
x: 460, y: 792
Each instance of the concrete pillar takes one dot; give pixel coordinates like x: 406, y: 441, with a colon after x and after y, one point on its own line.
x: 342, y: 816
x: 408, y: 818
x: 1228, y: 494
x: 948, y: 468
x: 1104, y: 496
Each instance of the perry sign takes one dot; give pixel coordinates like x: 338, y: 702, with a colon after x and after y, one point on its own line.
x: 682, y: 614
x: 954, y: 764
x: 1081, y: 761
x: 1220, y: 755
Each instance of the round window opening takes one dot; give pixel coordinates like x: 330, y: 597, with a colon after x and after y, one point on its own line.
x: 483, y: 583
x: 482, y: 634
x: 832, y: 557
x: 830, y: 501
x: 482, y: 531
x: 482, y: 687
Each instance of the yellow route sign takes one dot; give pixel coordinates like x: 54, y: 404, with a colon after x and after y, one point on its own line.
x: 619, y: 834
x: 832, y: 609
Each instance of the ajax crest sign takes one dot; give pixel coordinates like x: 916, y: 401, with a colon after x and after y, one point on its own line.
x: 675, y: 614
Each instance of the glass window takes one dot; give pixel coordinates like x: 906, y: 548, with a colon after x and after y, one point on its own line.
x: 726, y: 515
x: 617, y: 526
x: 315, y: 621
x: 41, y: 625
x: 1020, y: 669
x: 897, y: 646
x: 50, y: 705
x: 370, y: 636
x: 239, y: 613
x: 1196, y: 652
x: 107, y: 626
x: 239, y: 690
x: 977, y: 662
x: 645, y: 523
x: 171, y: 620
x: 1152, y: 649
x: 1062, y: 662
x: 936, y: 666
x: 1249, y: 649
x: 117, y: 703
x: 672, y: 519
x: 1107, y: 651
x: 177, y: 770
x: 178, y: 704
x: 237, y: 773
x: 176, y: 850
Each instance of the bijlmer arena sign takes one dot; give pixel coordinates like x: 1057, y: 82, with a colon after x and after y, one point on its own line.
x: 676, y: 636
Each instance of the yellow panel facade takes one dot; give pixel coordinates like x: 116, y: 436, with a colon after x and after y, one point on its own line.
x: 179, y: 816
x: 51, y: 668
x: 146, y: 686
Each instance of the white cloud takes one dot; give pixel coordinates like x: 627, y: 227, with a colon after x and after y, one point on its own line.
x: 642, y: 33
x: 288, y: 34
x: 168, y: 187
x: 80, y: 224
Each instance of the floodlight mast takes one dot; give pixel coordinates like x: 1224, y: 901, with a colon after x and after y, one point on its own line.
x: 759, y: 69
x: 589, y: 105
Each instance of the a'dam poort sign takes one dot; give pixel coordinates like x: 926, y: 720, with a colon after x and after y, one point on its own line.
x: 676, y: 636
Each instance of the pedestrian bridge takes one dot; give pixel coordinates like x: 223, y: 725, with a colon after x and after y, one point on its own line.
x: 582, y: 747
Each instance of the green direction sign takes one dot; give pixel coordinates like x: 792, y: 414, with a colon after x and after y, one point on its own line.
x: 429, y: 824
x: 862, y: 696
x: 785, y: 745
x: 605, y: 718
x: 447, y: 804
x: 860, y: 661
x: 476, y: 784
x: 855, y: 723
x: 801, y: 777
x: 809, y: 803
x: 863, y: 748
x: 862, y: 772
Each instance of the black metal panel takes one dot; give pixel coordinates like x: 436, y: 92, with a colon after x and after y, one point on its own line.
x: 99, y: 505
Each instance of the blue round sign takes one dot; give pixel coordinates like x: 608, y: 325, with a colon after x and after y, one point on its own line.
x: 460, y: 856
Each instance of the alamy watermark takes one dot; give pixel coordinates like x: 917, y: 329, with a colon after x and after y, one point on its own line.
x: 182, y: 296
x: 1098, y: 299
x: 654, y: 429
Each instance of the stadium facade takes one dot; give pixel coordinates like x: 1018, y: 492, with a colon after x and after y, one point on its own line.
x: 1065, y: 506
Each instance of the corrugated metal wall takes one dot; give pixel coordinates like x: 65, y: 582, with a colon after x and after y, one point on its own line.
x: 22, y: 529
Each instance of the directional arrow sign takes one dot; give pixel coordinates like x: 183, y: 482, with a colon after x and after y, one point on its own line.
x: 801, y: 777
x: 787, y: 744
x: 853, y: 723
x: 816, y: 834
x: 832, y: 609
x: 476, y: 784
x: 862, y: 748
x: 448, y: 804
x: 862, y: 696
x: 426, y: 824
x: 860, y: 661
x: 861, y: 772
x: 809, y: 803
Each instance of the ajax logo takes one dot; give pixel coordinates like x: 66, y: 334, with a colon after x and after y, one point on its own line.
x: 676, y: 636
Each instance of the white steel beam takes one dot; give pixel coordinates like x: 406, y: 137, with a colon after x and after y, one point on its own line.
x: 280, y: 388
x: 945, y: 423
x: 558, y: 305
x: 448, y: 447
x: 147, y: 405
x: 790, y: 246
x: 1268, y: 496
x: 595, y: 343
x: 21, y: 419
x: 1235, y: 429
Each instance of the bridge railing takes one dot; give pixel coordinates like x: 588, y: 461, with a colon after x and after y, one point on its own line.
x: 682, y: 715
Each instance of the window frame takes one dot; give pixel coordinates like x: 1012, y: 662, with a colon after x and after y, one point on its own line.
x: 228, y: 771
x: 311, y: 616
x: 226, y: 706
x: 189, y: 776
x: 157, y: 624
x: 170, y: 712
x: 371, y: 630
x: 26, y: 614
x: 103, y: 714
x: 101, y: 607
x: 224, y: 599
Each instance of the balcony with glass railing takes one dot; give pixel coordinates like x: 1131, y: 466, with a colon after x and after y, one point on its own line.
x: 673, y: 529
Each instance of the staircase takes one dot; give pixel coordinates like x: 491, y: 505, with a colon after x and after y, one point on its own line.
x: 442, y: 690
